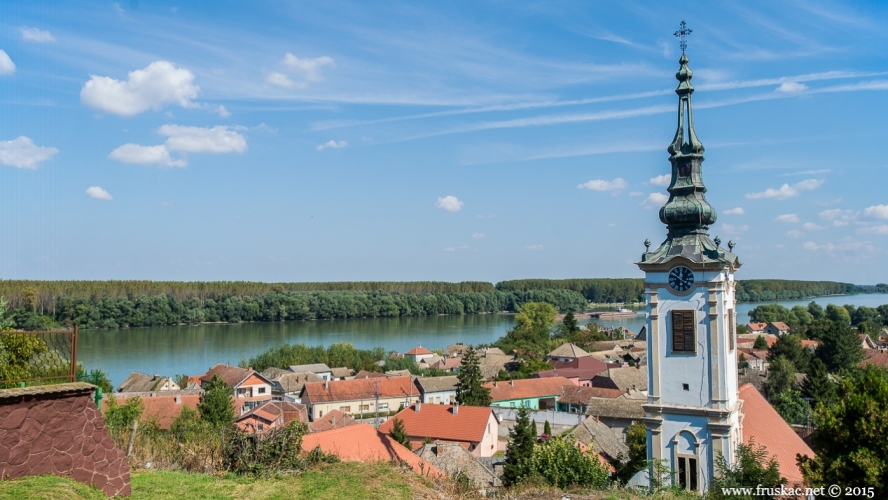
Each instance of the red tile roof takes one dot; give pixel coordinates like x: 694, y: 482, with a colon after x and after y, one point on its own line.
x: 418, y: 350
x: 780, y: 326
x: 810, y: 343
x: 368, y: 374
x: 585, y: 368
x: 333, y: 419
x: 527, y: 388
x: 876, y: 358
x: 231, y: 375
x: 164, y: 409
x: 350, y: 390
x: 466, y: 424
x: 767, y: 427
x: 757, y: 327
x: 271, y: 410
x: 363, y: 443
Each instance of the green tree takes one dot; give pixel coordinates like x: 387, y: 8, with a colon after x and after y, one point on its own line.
x: 743, y: 363
x: 568, y: 327
x: 840, y: 347
x: 215, y: 404
x: 120, y: 417
x: 636, y: 440
x: 547, y: 428
x: 760, y: 343
x: 518, y: 464
x: 817, y: 384
x: 781, y: 377
x: 561, y: 464
x: 816, y: 310
x: 751, y: 469
x: 399, y: 433
x: 791, y: 406
x: 850, y: 443
x: 837, y: 314
x: 790, y: 347
x: 469, y: 390
x: 533, y: 329
x: 802, y: 315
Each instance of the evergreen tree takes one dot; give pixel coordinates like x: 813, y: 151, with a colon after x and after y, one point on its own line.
x: 760, y: 343
x: 781, y: 377
x: 743, y: 363
x: 547, y: 429
x: 816, y: 310
x: 518, y: 464
x: 850, y: 444
x: 399, y: 433
x: 790, y: 347
x: 469, y: 390
x: 840, y: 347
x: 568, y: 328
x: 215, y: 403
x: 817, y: 385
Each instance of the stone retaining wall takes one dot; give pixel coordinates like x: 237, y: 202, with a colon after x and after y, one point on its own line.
x: 57, y: 429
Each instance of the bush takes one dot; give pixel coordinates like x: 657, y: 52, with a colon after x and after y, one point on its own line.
x: 562, y: 465
x: 276, y: 451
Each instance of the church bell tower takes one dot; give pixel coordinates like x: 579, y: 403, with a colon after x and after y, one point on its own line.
x: 693, y: 409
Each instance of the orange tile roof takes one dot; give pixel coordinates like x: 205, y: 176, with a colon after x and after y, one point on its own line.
x: 780, y: 325
x: 363, y: 443
x: 332, y: 420
x: 272, y: 410
x: 767, y: 427
x: 164, y: 409
x: 419, y: 350
x: 581, y: 395
x: 810, y: 343
x: 757, y: 327
x: 350, y: 390
x: 232, y: 375
x: 527, y: 388
x: 877, y: 358
x: 585, y: 368
x: 467, y: 424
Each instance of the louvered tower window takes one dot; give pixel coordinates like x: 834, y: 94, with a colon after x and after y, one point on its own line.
x: 684, y: 331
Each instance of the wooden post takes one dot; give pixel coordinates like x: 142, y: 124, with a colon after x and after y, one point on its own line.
x: 132, y: 438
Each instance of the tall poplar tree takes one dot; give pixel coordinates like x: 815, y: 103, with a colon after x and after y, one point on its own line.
x: 469, y: 390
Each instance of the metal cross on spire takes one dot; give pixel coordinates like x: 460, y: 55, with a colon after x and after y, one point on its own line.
x: 681, y: 34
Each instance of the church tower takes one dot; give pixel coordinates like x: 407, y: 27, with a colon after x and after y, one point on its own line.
x: 693, y: 409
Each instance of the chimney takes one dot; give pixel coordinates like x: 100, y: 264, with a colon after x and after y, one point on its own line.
x: 418, y: 406
x: 326, y: 384
x: 178, y: 400
x: 512, y: 382
x: 333, y: 420
x: 455, y: 408
x: 494, y: 383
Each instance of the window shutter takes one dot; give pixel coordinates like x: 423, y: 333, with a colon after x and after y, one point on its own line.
x: 731, y: 327
x: 683, y: 331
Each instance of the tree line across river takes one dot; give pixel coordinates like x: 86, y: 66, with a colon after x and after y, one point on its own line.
x: 114, y: 304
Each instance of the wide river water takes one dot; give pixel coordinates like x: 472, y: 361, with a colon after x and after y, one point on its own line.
x: 170, y: 350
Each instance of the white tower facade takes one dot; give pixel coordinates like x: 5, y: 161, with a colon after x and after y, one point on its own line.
x: 693, y: 409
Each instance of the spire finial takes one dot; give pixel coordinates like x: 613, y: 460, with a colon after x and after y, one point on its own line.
x: 683, y: 32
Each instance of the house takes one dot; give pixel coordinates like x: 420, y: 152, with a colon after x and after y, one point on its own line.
x: 576, y: 399
x: 319, y: 369
x: 365, y: 374
x: 874, y: 357
x: 271, y: 415
x: 453, y: 459
x: 332, y: 420
x: 438, y: 390
x: 447, y: 364
x: 757, y: 328
x: 533, y: 393
x: 579, y: 371
x: 418, y: 354
x: 867, y: 342
x: 777, y: 328
x: 288, y: 385
x: 764, y: 425
x: 603, y: 440
x: 342, y: 373
x: 475, y: 428
x: 746, y: 338
x: 427, y: 363
x: 250, y: 388
x: 161, y: 407
x: 363, y: 443
x: 359, y: 396
x: 625, y: 379
x: 140, y: 382
x: 455, y: 350
x: 642, y: 334
x: 492, y: 360
x: 618, y: 413
x: 566, y: 352
x: 757, y: 358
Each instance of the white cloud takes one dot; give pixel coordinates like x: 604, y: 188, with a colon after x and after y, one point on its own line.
x: 224, y: 113
x: 146, y: 155
x: 309, y: 68
x: 786, y: 191
x: 7, y: 67
x: 787, y: 218
x: 731, y: 229
x: 36, y: 35
x: 282, y: 80
x: 810, y: 245
x: 792, y: 87
x: 488, y: 216
x: 535, y: 247
x: 795, y: 233
x: 478, y: 235
x: 846, y: 245
x: 160, y: 83
x: 832, y: 214
x: 449, y: 203
x: 331, y: 144
x: 21, y: 152
x: 449, y: 249
x: 877, y: 211
x: 636, y: 193
x: 661, y: 180
x: 603, y: 185
x: 218, y: 139
x: 735, y: 211
x: 655, y: 200
x: 880, y: 229
x: 810, y: 226
x: 98, y: 193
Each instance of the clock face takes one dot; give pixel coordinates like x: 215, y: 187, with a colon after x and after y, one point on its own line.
x: 681, y: 279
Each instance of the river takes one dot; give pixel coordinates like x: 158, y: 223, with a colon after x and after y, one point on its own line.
x: 170, y: 350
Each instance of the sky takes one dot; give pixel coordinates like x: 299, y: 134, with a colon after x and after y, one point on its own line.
x: 402, y: 141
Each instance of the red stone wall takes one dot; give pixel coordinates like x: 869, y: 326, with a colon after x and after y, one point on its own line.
x: 59, y: 430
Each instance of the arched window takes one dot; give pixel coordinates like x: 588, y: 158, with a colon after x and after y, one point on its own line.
x: 686, y: 450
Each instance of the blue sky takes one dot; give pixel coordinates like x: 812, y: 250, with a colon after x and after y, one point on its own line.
x: 284, y: 141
